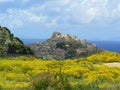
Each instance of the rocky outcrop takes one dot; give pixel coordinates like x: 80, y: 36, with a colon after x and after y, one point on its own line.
x: 10, y: 44
x: 58, y: 37
x: 61, y: 46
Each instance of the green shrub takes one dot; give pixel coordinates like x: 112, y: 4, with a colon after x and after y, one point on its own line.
x: 48, y: 57
x: 50, y: 82
x: 71, y: 53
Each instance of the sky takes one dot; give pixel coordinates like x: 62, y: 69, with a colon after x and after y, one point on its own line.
x: 38, y: 19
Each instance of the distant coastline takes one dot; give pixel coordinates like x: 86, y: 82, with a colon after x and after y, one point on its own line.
x: 30, y: 41
x: 113, y: 46
x: 106, y: 45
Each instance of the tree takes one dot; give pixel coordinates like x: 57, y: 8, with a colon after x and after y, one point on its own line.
x: 71, y: 53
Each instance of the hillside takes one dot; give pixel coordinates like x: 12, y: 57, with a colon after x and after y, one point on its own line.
x: 61, y: 46
x: 92, y: 73
x: 10, y: 44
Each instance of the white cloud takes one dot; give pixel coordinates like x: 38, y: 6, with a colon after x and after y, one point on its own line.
x: 55, y: 12
x: 25, y: 1
x: 53, y: 22
x: 89, y: 10
x: 4, y: 1
x: 21, y: 1
x: 84, y: 11
x: 18, y: 17
x: 115, y: 14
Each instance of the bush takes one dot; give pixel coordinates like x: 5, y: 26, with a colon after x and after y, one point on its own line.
x: 50, y: 82
x: 48, y: 57
x: 71, y: 53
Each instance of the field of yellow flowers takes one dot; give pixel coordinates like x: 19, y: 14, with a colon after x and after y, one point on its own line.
x: 30, y: 73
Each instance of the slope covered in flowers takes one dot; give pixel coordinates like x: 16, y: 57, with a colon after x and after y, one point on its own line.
x: 23, y: 73
x: 105, y: 57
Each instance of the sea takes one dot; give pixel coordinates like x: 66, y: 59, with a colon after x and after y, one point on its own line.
x: 113, y: 46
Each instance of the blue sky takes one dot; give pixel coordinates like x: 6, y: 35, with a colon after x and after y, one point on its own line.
x: 86, y: 19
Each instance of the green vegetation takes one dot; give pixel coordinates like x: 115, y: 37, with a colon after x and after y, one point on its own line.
x: 70, y: 48
x: 68, y: 45
x: 10, y: 44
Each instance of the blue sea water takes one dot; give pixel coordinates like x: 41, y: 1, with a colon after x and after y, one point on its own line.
x: 106, y: 45
x: 30, y: 41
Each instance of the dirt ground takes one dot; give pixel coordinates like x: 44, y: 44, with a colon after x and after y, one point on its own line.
x: 114, y: 64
